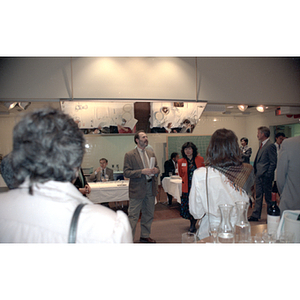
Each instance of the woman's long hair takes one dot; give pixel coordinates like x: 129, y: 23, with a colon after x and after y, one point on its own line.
x: 223, y: 149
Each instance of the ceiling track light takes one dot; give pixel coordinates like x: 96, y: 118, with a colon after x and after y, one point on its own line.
x: 10, y: 105
x: 260, y: 108
x: 24, y: 105
x: 242, y: 107
x: 21, y: 105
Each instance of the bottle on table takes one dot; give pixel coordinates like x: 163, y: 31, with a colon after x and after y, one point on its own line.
x: 273, y: 216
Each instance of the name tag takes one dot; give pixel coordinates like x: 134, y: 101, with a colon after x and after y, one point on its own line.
x: 184, y: 164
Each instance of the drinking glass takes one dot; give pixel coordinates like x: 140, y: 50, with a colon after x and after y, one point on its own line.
x: 258, y: 238
x: 213, y: 231
x: 287, y: 237
x: 188, y: 237
x: 269, y: 237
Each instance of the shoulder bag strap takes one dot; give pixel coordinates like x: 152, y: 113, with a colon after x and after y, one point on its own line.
x: 206, y: 180
x: 74, y: 223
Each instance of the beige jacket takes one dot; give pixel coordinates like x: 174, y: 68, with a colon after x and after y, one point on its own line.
x: 132, y: 169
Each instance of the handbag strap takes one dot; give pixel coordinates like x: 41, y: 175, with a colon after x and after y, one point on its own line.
x: 74, y: 223
x: 206, y: 182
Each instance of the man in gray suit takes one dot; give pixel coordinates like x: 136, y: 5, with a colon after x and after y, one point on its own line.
x: 143, y: 177
x: 101, y: 171
x: 288, y: 174
x: 264, y: 166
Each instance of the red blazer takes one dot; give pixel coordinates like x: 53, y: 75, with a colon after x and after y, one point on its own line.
x: 183, y: 170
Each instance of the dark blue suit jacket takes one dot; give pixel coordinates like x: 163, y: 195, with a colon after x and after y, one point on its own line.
x: 266, y: 160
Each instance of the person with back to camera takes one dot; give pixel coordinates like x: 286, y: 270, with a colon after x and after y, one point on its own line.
x: 186, y: 167
x: 48, y: 148
x: 228, y: 178
x: 279, y: 137
x: 246, y: 150
x: 7, y: 172
x: 288, y: 174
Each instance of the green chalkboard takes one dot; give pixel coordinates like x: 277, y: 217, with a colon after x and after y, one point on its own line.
x: 175, y: 143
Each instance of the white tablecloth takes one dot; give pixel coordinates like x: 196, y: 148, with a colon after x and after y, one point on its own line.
x: 173, y: 187
x: 111, y: 191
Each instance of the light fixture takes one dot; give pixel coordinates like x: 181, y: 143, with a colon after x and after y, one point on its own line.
x: 260, y: 108
x: 24, y: 105
x: 19, y: 105
x: 10, y: 105
x: 242, y: 107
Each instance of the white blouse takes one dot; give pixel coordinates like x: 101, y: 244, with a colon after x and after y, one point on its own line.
x: 220, y: 191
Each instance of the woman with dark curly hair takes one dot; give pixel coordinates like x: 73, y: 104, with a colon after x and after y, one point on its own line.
x: 186, y: 167
x: 228, y: 180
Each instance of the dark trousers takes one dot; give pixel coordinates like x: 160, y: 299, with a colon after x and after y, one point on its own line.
x: 274, y: 188
x: 170, y: 197
x: 263, y: 187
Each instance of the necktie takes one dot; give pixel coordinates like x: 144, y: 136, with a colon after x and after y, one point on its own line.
x: 260, y: 146
x: 145, y: 159
x: 103, y: 173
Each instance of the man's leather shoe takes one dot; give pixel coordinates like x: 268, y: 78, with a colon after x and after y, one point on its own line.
x: 147, y: 240
x: 252, y: 219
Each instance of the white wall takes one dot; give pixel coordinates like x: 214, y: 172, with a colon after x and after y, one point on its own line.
x: 269, y: 81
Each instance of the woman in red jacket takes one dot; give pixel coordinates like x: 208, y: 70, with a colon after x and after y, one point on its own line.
x: 186, y: 167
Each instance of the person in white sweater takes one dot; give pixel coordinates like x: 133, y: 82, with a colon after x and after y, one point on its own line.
x: 48, y: 148
x: 228, y: 180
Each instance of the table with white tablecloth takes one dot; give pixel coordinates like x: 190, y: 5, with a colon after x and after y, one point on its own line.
x: 173, y: 186
x: 110, y: 191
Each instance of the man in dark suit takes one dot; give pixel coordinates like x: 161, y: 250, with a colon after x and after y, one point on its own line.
x: 264, y: 167
x: 81, y: 183
x: 101, y: 171
x: 140, y: 165
x: 170, y: 166
x: 288, y: 175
